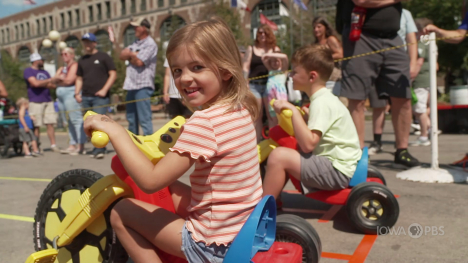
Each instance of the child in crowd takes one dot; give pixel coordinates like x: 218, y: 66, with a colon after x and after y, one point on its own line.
x: 26, y: 133
x: 328, y: 143
x: 421, y: 85
x: 220, y: 140
x: 276, y: 88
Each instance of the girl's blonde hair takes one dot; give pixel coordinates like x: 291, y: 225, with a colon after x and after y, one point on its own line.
x: 214, y: 42
x: 21, y: 101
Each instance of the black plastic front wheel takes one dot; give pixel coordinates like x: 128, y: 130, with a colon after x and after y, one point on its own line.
x: 372, y: 205
x: 96, y: 244
x: 295, y: 229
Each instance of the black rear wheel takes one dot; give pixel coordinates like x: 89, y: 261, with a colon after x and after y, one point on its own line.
x: 295, y: 229
x: 373, y: 172
x: 371, y: 206
x: 97, y: 243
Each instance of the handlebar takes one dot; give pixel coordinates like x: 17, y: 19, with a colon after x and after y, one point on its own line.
x: 284, y: 119
x: 98, y: 138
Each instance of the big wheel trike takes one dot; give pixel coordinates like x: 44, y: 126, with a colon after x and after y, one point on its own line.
x: 369, y: 203
x: 72, y: 215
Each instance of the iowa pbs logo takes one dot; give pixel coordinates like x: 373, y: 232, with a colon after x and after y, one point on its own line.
x: 415, y: 230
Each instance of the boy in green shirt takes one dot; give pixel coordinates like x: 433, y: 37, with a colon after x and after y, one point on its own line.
x: 328, y: 143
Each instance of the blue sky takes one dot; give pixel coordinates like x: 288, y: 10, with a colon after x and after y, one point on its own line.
x: 10, y: 7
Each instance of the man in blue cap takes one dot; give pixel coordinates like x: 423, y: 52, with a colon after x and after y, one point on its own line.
x: 95, y: 75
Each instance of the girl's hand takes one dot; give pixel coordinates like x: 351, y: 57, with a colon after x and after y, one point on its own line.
x: 102, y: 123
x: 306, y: 113
x: 279, y: 105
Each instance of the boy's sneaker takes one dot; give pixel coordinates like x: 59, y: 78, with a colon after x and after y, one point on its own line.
x: 37, y: 154
x: 99, y: 155
x: 405, y: 160
x: 418, y: 133
x: 421, y: 142
x: 375, y: 148
x: 29, y: 156
x: 416, y: 126
x: 93, y: 153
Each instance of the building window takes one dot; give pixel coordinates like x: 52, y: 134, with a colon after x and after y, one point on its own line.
x: 160, y: 3
x: 51, y: 23
x: 170, y: 25
x: 91, y: 15
x: 22, y: 31
x: 270, y: 8
x: 3, y: 36
x: 108, y: 10
x: 183, y: 1
x: 16, y: 33
x: 44, y: 25
x: 143, y: 5
x: 8, y: 34
x: 23, y: 54
x: 78, y: 20
x: 129, y: 36
x: 123, y: 10
x: 133, y: 6
x: 99, y: 12
x: 103, y: 42
x: 28, y: 33
x: 38, y: 27
x: 171, y: 2
x: 70, y: 21
x: 62, y: 21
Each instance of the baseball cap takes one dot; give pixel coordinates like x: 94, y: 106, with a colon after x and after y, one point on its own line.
x: 89, y: 36
x: 35, y: 57
x: 141, y: 22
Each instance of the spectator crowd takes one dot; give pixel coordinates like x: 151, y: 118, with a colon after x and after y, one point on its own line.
x: 389, y: 80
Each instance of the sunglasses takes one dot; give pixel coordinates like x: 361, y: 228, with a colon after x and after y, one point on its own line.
x: 261, y: 32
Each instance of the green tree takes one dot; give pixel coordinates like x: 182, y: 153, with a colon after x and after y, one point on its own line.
x: 231, y: 16
x: 445, y: 14
x: 11, y: 74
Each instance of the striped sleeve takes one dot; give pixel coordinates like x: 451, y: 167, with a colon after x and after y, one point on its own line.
x: 197, y: 138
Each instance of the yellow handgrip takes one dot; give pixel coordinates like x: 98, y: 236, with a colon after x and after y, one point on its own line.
x: 98, y: 138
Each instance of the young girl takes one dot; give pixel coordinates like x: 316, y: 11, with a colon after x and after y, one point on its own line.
x: 219, y: 139
x: 26, y: 128
x: 276, y: 83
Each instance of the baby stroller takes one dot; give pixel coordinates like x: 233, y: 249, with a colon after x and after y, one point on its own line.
x: 9, y: 130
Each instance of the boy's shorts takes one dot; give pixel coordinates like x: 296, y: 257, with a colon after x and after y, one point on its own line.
x: 258, y: 89
x: 318, y: 173
x: 199, y: 252
x: 44, y: 113
x: 421, y: 105
x: 26, y: 136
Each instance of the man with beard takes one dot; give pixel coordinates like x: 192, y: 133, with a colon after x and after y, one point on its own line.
x: 139, y: 81
x: 41, y: 107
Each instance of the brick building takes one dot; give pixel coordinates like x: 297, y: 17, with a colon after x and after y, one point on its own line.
x: 23, y: 33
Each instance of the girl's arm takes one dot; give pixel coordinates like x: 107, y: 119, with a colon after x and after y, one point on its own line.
x: 336, y: 47
x: 21, y: 112
x: 149, y: 177
x: 265, y: 62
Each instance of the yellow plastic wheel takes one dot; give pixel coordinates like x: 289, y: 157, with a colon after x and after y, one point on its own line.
x: 96, y: 244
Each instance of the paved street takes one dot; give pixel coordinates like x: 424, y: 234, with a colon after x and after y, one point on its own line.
x: 442, y: 206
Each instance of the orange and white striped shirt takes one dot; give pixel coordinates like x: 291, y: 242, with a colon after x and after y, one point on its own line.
x: 226, y: 183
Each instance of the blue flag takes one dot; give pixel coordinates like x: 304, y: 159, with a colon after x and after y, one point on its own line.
x: 300, y: 4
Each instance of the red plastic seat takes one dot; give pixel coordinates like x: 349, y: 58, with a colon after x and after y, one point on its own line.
x: 279, y: 253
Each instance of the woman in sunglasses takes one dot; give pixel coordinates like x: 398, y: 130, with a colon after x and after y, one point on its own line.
x: 65, y: 79
x: 265, y: 42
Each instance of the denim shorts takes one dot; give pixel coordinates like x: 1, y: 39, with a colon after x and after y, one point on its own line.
x: 198, y: 252
x: 258, y: 89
